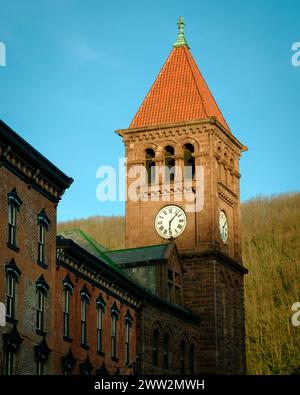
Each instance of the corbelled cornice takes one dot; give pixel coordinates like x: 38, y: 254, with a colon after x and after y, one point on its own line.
x: 27, y: 163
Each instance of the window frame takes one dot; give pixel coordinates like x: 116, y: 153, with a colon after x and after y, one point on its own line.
x: 14, y: 203
x: 150, y: 166
x: 66, y: 311
x: 114, y: 336
x: 41, y: 243
x: 83, y: 318
x: 170, y: 164
x: 127, y: 343
x: 43, y: 223
x: 128, y: 325
x: 10, y: 296
x: 85, y: 300
x: 40, y: 310
x: 100, y: 312
x: 182, y: 357
x: 100, y: 306
x: 42, y: 289
x: 12, y: 225
x: 155, y: 340
x: 115, y: 313
x: 166, y: 351
x: 189, y: 161
x: 68, y: 289
x: 170, y: 282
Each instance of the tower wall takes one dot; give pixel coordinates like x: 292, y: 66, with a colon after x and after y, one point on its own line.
x: 178, y: 110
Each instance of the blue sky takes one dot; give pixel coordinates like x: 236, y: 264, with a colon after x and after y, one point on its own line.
x: 78, y: 70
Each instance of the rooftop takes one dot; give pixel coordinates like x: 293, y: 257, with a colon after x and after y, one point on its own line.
x: 179, y: 93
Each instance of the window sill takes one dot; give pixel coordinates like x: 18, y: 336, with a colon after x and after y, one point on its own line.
x: 13, y: 247
x: 115, y: 359
x: 67, y: 339
x: 11, y: 320
x: 40, y: 332
x: 42, y: 264
x: 85, y: 346
x: 101, y: 353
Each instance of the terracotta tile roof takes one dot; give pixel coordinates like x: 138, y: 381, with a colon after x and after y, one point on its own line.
x: 178, y: 94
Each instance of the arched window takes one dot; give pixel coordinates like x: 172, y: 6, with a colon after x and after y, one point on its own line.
x: 128, y: 324
x: 85, y: 300
x: 14, y: 204
x: 41, y: 353
x: 12, y: 277
x: 155, y: 348
x: 114, y: 318
x: 42, y: 289
x: 192, y: 359
x: 12, y: 343
x: 182, y: 357
x: 100, y: 304
x: 68, y: 291
x: 189, y: 161
x: 166, y: 351
x: 150, y: 165
x: 43, y: 226
x: 169, y: 163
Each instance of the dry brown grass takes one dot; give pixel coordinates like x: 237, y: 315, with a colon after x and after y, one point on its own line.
x: 271, y: 252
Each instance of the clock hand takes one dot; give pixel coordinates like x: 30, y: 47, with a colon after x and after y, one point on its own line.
x: 173, y: 218
x: 171, y: 222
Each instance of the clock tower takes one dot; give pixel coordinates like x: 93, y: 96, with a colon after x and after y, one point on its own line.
x: 183, y: 184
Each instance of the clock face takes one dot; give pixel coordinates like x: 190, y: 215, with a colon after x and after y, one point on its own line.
x: 223, y: 226
x: 170, y: 221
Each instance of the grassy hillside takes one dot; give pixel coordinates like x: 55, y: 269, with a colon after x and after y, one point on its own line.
x: 271, y: 251
x: 108, y: 231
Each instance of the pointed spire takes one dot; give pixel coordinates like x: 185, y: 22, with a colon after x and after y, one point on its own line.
x: 179, y: 93
x: 180, y: 38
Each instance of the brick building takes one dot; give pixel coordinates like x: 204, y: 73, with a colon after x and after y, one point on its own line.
x: 30, y: 188
x: 172, y: 301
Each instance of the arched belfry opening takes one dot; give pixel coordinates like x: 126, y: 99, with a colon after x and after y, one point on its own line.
x: 169, y: 163
x: 189, y: 161
x: 150, y: 165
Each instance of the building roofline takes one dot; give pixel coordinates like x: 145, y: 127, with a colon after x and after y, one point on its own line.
x: 33, y: 157
x: 124, y: 281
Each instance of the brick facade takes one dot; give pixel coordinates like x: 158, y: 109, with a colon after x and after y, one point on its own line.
x: 80, y: 268
x: 26, y: 261
x: 178, y: 330
x: 178, y: 304
x: 75, y: 262
x: 24, y: 171
x: 179, y: 111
